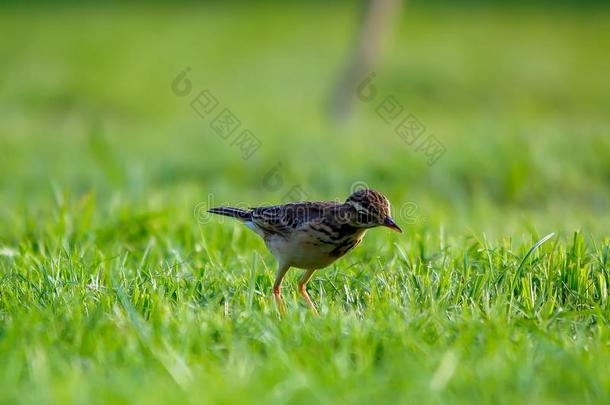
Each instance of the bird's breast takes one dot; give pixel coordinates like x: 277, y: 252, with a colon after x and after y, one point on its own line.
x: 308, y: 249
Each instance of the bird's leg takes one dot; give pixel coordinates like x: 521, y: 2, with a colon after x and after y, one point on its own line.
x: 302, y: 282
x: 277, y: 293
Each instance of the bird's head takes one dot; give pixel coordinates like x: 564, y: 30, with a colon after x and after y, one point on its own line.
x: 371, y: 209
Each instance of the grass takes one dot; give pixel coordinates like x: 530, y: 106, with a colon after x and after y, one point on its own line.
x: 115, y: 288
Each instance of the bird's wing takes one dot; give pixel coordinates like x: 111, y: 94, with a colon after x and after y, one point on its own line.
x: 282, y: 219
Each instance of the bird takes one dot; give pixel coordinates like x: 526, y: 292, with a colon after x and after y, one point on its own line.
x: 311, y: 235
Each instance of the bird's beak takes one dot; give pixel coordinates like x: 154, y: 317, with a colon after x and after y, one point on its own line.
x: 389, y: 222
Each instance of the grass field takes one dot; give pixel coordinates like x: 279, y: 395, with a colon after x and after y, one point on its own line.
x: 116, y: 287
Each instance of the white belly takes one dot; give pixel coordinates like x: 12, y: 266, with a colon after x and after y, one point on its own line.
x: 302, y: 251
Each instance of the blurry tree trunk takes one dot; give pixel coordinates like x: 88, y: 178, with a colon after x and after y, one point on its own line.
x: 377, y: 19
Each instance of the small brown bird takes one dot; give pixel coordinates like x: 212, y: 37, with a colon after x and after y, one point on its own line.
x: 312, y: 235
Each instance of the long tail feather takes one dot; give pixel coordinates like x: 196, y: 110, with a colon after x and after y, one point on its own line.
x: 232, y: 212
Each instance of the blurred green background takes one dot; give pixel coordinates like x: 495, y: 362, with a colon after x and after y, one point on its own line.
x: 116, y: 287
x: 519, y: 95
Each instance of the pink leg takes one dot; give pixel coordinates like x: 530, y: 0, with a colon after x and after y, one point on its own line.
x: 302, y: 282
x: 277, y: 293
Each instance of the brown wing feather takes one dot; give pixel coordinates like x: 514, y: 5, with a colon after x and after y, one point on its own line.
x: 281, y: 219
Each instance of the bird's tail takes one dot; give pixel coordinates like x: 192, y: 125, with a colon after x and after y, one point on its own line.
x: 232, y: 212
